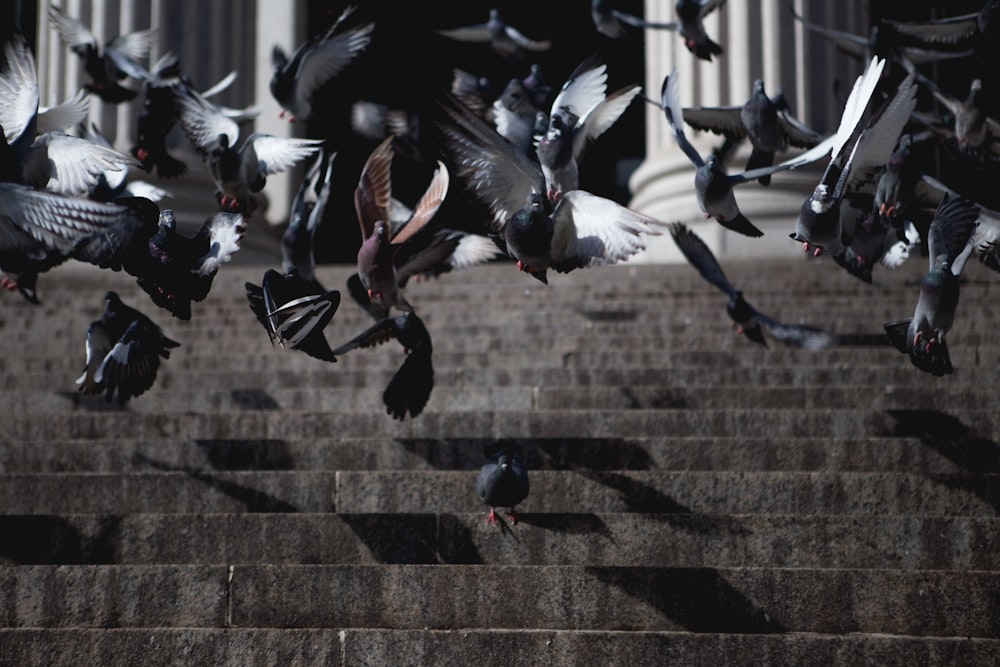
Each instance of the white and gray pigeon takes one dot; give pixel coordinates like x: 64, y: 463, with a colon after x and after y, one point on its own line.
x: 748, y: 320
x: 611, y: 22
x: 296, y: 80
x: 503, y: 482
x: 124, y: 348
x: 713, y: 187
x: 581, y: 230
x: 52, y: 160
x: 238, y: 173
x: 766, y: 122
x: 115, y: 183
x: 950, y: 243
x: 119, y: 58
x: 580, y: 113
x: 502, y: 37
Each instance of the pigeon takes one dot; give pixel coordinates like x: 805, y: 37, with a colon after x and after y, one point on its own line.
x: 976, y: 31
x: 765, y: 121
x: 106, y: 68
x: 580, y: 113
x: 295, y: 81
x: 123, y: 352
x: 40, y: 230
x: 611, y: 22
x: 502, y: 37
x: 54, y: 160
x: 855, y: 158
x: 690, y: 25
x: 294, y: 307
x: 950, y: 242
x: 475, y: 92
x: 581, y: 230
x: 748, y: 320
x: 238, y: 173
x: 410, y: 387
x: 112, y: 184
x: 976, y: 133
x: 380, y: 243
x: 520, y: 112
x: 712, y: 185
x: 502, y: 482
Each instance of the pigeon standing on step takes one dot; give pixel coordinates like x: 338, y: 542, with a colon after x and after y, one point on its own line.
x: 502, y: 482
x: 748, y: 320
x: 296, y: 80
x: 123, y: 352
x: 108, y: 66
x: 950, y: 243
x: 410, y: 388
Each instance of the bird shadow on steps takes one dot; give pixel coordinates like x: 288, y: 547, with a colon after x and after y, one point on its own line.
x: 250, y: 454
x: 91, y: 402
x: 947, y: 435
x: 698, y: 599
x: 537, y: 453
x: 641, y: 498
x: 255, y: 501
x: 45, y: 539
x: 569, y: 524
x: 397, y: 538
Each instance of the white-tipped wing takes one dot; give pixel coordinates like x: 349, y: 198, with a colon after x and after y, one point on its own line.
x: 675, y: 117
x: 53, y: 219
x: 63, y: 116
x: 329, y: 58
x: 73, y: 33
x: 584, y: 90
x: 277, y: 154
x: 77, y: 164
x: 203, y: 122
x: 224, y: 232
x: 603, y: 116
x: 18, y: 89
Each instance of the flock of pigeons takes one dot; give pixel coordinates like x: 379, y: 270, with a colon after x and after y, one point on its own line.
x: 516, y: 155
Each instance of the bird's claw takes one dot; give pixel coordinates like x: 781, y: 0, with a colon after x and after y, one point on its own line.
x: 492, y: 518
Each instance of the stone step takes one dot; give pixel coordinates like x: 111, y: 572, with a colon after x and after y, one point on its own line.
x: 259, y: 423
x: 552, y: 492
x: 714, y: 600
x: 663, y: 540
x: 250, y: 647
x: 922, y: 444
x: 460, y: 398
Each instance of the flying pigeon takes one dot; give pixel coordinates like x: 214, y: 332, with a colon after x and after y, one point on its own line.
x: 296, y: 80
x: 238, y: 173
x: 54, y: 160
x: 112, y: 184
x: 766, y: 122
x: 611, y: 22
x: 106, y: 68
x: 502, y: 482
x: 690, y: 25
x: 502, y: 37
x: 977, y: 31
x: 410, y: 388
x: 293, y: 306
x: 950, y: 243
x: 581, y: 112
x: 581, y: 230
x: 748, y: 320
x: 123, y: 352
x: 713, y: 187
x: 380, y: 243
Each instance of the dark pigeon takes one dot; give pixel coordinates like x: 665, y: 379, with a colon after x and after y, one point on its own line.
x: 502, y: 482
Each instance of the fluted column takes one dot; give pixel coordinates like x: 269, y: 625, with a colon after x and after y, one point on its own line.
x: 761, y: 40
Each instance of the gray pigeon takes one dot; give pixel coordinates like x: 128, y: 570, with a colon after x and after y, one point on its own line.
x: 950, y: 243
x: 611, y: 22
x: 123, y: 352
x: 296, y: 80
x: 502, y: 37
x: 712, y: 185
x: 502, y: 482
x: 748, y: 320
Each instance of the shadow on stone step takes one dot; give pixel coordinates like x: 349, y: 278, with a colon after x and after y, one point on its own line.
x: 568, y: 524
x: 52, y: 540
x: 698, y: 599
x: 251, y: 454
x: 255, y: 501
x: 863, y: 340
x: 610, y: 315
x: 398, y: 539
x: 538, y: 453
x: 91, y: 403
x: 254, y: 399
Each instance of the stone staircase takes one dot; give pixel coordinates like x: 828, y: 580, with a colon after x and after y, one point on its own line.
x: 695, y: 499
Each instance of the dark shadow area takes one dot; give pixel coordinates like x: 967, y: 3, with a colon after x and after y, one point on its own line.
x: 397, y: 538
x: 698, y: 599
x: 52, y: 540
x: 91, y: 402
x: 537, y: 453
x: 948, y: 436
x: 455, y: 543
x: 255, y: 501
x: 252, y: 454
x: 254, y: 399
x: 863, y: 340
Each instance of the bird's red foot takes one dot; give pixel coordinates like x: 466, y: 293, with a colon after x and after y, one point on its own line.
x: 806, y: 247
x: 817, y: 252
x: 142, y: 154
x: 512, y: 516
x: 281, y: 114
x: 492, y: 518
x: 8, y: 284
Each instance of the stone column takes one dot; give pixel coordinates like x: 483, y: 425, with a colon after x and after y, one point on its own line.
x: 761, y: 40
